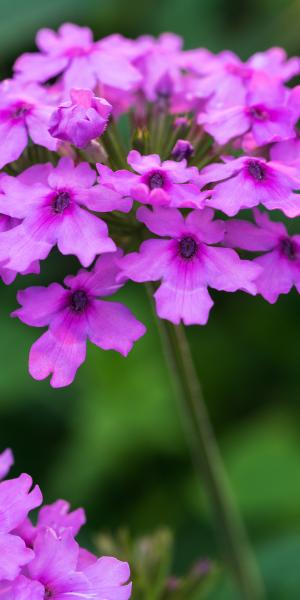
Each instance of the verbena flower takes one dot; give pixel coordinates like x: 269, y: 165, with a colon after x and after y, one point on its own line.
x: 81, y: 119
x: 24, y: 113
x: 44, y: 561
x: 84, y: 63
x: 187, y: 264
x: 95, y: 129
x: 73, y: 314
x: 53, y: 572
x: 265, y: 112
x: 52, y: 202
x: 280, y: 261
x: 248, y: 181
x: 168, y: 183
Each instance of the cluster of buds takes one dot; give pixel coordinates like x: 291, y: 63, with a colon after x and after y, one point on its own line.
x: 136, y: 156
x: 44, y: 561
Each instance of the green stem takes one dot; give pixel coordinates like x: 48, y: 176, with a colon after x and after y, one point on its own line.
x: 113, y: 146
x: 236, y: 550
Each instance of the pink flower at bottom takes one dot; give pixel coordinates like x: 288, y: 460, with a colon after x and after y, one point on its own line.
x: 53, y: 573
x: 280, y: 263
x: 73, y: 314
x: 187, y: 264
x: 57, y: 516
x: 16, y: 501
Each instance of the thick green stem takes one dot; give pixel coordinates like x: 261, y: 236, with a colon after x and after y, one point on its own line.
x: 229, y: 526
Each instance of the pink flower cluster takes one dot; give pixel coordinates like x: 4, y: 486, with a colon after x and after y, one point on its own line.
x: 44, y: 561
x: 210, y: 136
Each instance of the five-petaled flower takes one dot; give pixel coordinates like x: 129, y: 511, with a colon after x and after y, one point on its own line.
x: 187, y: 264
x: 73, y: 314
x: 280, y: 261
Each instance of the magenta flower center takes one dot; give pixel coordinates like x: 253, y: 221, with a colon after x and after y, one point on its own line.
x: 79, y: 301
x: 156, y: 180
x: 48, y: 593
x: 288, y: 248
x: 258, y: 113
x: 61, y: 202
x: 256, y: 170
x: 188, y: 247
x: 19, y: 111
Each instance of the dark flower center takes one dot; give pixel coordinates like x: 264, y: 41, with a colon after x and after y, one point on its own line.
x: 256, y: 170
x: 79, y: 301
x: 61, y: 202
x: 156, y: 180
x: 48, y: 593
x: 259, y: 113
x: 288, y: 248
x: 188, y: 247
x: 19, y: 112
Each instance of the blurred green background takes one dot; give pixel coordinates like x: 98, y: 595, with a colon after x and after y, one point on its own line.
x: 113, y: 441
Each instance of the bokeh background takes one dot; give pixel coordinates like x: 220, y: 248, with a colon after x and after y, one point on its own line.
x: 113, y: 441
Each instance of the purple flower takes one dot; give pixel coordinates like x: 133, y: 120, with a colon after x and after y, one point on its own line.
x: 58, y: 517
x: 80, y: 120
x: 54, y: 574
x: 225, y: 79
x: 6, y: 461
x: 280, y: 262
x: 16, y: 501
x: 187, y: 264
x: 55, y: 516
x: 53, y: 566
x: 183, y: 149
x: 265, y: 113
x: 248, y: 181
x: 51, y: 202
x: 74, y: 314
x: 84, y: 64
x: 167, y: 183
x: 160, y: 64
x: 24, y: 113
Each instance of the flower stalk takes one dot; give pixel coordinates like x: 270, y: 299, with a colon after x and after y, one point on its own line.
x: 206, y: 456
